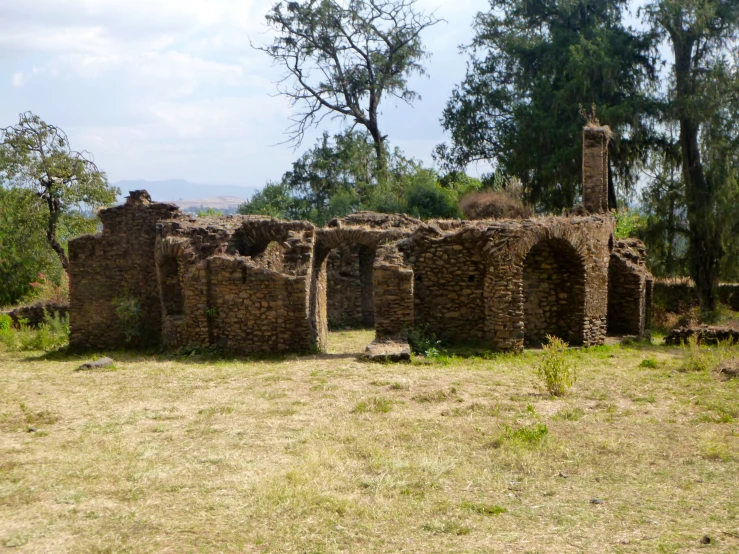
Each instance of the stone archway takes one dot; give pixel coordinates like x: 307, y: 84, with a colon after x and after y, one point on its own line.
x: 554, y: 293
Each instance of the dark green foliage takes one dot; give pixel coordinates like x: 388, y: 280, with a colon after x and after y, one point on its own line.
x: 341, y: 175
x: 533, y: 64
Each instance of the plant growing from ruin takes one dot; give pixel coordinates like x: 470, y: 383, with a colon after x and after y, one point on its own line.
x: 556, y: 367
x: 128, y: 310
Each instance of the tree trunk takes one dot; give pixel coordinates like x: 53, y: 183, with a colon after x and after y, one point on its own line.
x: 379, y: 143
x: 705, y: 240
x: 54, y: 213
x: 612, y: 202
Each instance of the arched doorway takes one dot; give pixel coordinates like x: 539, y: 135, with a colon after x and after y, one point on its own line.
x: 554, y: 293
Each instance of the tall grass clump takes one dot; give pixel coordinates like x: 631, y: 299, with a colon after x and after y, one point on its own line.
x: 52, y: 334
x: 556, y: 367
x: 703, y: 358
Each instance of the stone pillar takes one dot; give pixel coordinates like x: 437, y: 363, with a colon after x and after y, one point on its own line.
x: 595, y: 168
x: 393, y: 300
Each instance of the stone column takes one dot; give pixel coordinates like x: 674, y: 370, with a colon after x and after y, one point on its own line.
x: 595, y: 168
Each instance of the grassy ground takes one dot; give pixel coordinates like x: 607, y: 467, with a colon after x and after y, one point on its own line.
x: 331, y: 454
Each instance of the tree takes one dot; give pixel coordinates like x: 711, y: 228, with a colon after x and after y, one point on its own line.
x: 36, y: 156
x: 342, y: 60
x: 702, y: 101
x: 24, y: 252
x: 340, y: 176
x: 533, y: 63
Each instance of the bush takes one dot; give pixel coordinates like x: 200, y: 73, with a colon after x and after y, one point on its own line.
x: 52, y: 334
x: 128, y: 310
x: 556, y: 368
x: 6, y: 322
x: 494, y: 204
x: 531, y: 434
x: 424, y: 342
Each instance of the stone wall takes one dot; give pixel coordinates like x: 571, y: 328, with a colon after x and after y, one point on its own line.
x: 554, y: 292
x: 251, y: 284
x: 629, y: 288
x: 116, y: 268
x: 679, y: 296
x: 241, y: 284
x: 34, y: 314
x: 350, y: 300
x: 497, y: 269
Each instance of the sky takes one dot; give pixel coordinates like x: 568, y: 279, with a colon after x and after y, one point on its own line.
x: 165, y: 89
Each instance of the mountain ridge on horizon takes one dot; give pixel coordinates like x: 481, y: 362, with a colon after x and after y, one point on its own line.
x: 173, y: 190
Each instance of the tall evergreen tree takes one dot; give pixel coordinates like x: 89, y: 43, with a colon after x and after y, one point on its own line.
x: 702, y: 102
x: 533, y: 62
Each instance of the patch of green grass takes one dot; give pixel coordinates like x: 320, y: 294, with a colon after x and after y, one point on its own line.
x: 650, y: 363
x: 484, y: 509
x: 376, y: 405
x: 527, y: 435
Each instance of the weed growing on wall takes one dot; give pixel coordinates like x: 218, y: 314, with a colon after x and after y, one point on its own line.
x: 128, y: 310
x: 556, y: 367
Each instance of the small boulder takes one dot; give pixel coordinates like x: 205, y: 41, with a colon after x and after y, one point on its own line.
x: 96, y: 364
x: 388, y: 351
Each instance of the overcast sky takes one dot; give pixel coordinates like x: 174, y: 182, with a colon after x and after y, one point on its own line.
x: 160, y: 89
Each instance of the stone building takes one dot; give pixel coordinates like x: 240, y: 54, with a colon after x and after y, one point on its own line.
x: 250, y: 284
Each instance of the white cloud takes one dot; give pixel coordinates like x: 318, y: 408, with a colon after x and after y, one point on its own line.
x: 164, y: 88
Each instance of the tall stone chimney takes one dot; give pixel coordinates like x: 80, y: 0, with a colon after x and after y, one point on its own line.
x: 595, y: 167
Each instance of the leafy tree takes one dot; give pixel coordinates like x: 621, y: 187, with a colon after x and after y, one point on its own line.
x: 702, y: 102
x: 24, y: 252
x: 533, y: 62
x: 37, y: 156
x: 343, y: 59
x: 341, y: 175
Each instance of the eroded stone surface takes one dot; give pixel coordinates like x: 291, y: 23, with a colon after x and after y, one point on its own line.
x: 388, y: 351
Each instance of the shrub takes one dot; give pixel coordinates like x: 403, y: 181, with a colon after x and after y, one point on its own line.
x: 128, y: 310
x: 556, y: 368
x: 424, y: 342
x: 6, y: 322
x: 494, y: 204
x: 52, y: 334
x: 530, y: 434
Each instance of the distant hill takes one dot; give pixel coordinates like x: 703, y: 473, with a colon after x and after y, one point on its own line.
x: 179, y: 190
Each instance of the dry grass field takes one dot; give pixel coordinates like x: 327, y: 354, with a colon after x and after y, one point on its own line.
x: 328, y: 453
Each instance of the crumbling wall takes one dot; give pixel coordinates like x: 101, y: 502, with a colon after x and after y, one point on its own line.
x: 116, y: 268
x: 244, y: 284
x: 481, y: 268
x: 449, y: 283
x: 33, y: 315
x: 629, y: 284
x: 394, y: 294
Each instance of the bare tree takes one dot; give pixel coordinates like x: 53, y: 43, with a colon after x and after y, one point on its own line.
x: 37, y: 156
x: 341, y: 59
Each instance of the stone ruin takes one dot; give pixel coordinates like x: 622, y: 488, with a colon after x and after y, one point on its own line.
x: 252, y: 284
